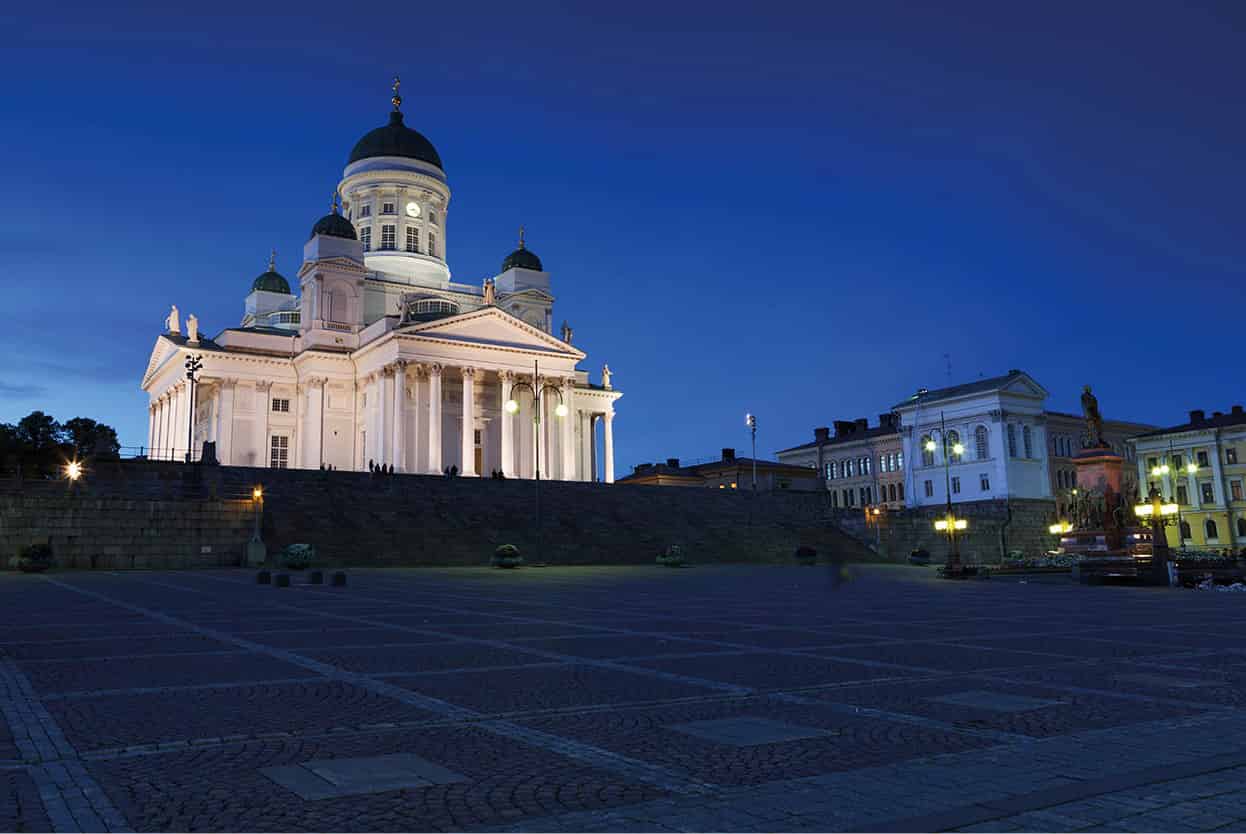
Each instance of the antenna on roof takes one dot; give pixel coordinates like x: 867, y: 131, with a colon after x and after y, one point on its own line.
x: 947, y: 357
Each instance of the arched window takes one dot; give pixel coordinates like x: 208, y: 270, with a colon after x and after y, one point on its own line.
x: 927, y: 452
x: 1027, y: 440
x: 891, y: 490
x: 953, y: 438
x: 834, y: 470
x: 1241, y: 526
x: 980, y: 438
x: 1012, y: 440
x: 1185, y: 530
x: 1209, y: 527
x: 848, y: 468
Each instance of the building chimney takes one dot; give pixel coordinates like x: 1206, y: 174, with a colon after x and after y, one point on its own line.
x: 887, y: 420
x: 821, y: 434
x: 673, y: 463
x: 862, y: 423
x: 843, y: 428
x: 1237, y: 409
x: 728, y: 455
x: 1197, y: 415
x: 1217, y: 414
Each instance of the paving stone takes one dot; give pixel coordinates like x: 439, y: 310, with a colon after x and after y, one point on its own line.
x: 994, y: 701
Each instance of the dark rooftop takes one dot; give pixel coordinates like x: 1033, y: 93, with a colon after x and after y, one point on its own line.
x: 988, y: 384
x: 1199, y: 421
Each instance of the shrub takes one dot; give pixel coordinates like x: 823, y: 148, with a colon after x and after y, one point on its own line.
x: 507, y: 556
x: 806, y: 554
x: 35, y: 558
x: 298, y: 556
x: 672, y: 557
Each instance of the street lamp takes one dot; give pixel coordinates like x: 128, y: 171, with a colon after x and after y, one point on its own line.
x: 1060, y: 528
x: 73, y: 471
x: 949, y: 524
x: 194, y: 364
x: 1160, y: 514
x: 512, y: 407
x: 750, y: 420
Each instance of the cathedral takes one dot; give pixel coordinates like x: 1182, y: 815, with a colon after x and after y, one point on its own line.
x: 372, y: 356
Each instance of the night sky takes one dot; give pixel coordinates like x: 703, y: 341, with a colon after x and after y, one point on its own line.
x: 790, y: 209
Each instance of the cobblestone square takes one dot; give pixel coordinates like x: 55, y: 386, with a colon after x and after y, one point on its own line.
x: 743, y: 698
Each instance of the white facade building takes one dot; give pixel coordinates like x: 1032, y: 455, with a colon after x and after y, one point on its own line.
x: 1001, y: 424
x: 381, y: 358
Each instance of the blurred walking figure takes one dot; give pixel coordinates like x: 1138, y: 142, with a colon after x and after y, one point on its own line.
x: 839, y: 570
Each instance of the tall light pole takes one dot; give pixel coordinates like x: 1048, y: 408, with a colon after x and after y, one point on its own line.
x: 750, y: 420
x: 194, y: 364
x: 949, y: 524
x: 512, y: 407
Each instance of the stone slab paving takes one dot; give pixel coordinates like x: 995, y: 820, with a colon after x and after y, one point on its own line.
x: 599, y: 699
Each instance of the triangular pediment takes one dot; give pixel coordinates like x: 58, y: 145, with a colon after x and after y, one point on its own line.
x: 160, y: 353
x: 492, y: 326
x: 1025, y: 386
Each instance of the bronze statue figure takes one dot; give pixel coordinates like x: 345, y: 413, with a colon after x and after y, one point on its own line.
x: 1094, y: 420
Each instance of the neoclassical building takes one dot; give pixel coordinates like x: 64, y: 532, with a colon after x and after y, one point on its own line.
x: 377, y: 356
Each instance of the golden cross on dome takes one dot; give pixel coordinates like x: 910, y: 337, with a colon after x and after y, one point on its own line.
x: 521, y: 237
x: 397, y: 99
x: 272, y: 260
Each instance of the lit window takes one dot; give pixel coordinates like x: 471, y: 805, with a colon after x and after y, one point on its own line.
x: 413, y: 239
x: 1202, y: 459
x: 279, y: 457
x: 832, y: 469
x: 387, y: 208
x: 929, y: 488
x: 733, y: 485
x: 953, y: 438
x: 1235, y: 489
x: 1230, y: 455
x: 1012, y: 440
x: 281, y: 405
x: 900, y: 464
x: 955, y: 485
x: 365, y: 237
x: 1027, y: 438
x: 882, y: 463
x: 388, y: 236
x: 1209, y: 497
x: 927, y: 453
x: 980, y: 438
x: 984, y: 482
x: 365, y: 210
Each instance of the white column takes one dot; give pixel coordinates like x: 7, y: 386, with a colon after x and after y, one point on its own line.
x: 264, y: 407
x: 568, y: 432
x: 469, y: 423
x: 546, y: 470
x: 508, y: 426
x: 151, y: 426
x: 609, y: 443
x: 313, y: 454
x: 418, y: 420
x: 434, y: 419
x: 592, y: 447
x: 399, y: 416
x: 225, y: 422
x: 376, y: 418
x: 178, y: 430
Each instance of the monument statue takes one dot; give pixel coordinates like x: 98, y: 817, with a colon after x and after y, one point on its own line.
x: 605, y: 377
x: 192, y: 328
x: 567, y: 332
x: 489, y: 292
x: 170, y: 323
x: 1094, y: 420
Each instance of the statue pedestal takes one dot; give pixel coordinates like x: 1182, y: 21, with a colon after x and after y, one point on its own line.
x: 1099, y: 471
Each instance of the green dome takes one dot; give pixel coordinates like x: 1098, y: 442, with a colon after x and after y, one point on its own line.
x: 523, y: 259
x: 395, y: 139
x: 334, y: 225
x: 271, y: 281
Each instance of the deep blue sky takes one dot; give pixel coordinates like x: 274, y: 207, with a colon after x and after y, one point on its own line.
x: 794, y: 209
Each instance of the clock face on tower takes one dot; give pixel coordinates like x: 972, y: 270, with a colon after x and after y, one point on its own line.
x: 413, y: 210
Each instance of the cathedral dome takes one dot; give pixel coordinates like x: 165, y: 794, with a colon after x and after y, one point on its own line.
x: 334, y: 225
x: 522, y: 258
x: 272, y: 280
x: 395, y: 139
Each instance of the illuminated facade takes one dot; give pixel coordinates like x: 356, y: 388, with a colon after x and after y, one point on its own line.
x: 376, y: 357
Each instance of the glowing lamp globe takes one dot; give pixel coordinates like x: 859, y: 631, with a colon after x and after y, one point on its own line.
x: 511, y: 406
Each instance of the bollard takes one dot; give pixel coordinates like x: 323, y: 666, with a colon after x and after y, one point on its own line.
x: 264, y: 577
x: 339, y: 580
x: 282, y: 580
x: 316, y: 577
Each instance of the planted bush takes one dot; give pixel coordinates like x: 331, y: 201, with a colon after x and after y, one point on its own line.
x: 507, y: 556
x: 672, y: 557
x: 35, y: 558
x: 298, y: 556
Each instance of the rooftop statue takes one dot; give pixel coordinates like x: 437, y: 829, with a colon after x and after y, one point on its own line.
x: 1094, y: 420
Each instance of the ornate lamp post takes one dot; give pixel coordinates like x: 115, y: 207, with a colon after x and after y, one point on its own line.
x: 876, y: 517
x: 1160, y: 514
x: 1158, y: 472
x: 512, y: 407
x: 949, y: 524
x: 194, y: 364
x: 750, y: 420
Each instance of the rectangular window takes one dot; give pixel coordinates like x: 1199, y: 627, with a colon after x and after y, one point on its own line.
x: 281, y: 405
x: 432, y: 217
x: 1183, y: 495
x: 280, y: 452
x: 1177, y: 462
x: 1151, y: 463
x: 387, y: 208
x: 1202, y: 459
x: 365, y: 237
x: 388, y: 235
x: 365, y: 209
x: 955, y: 485
x: 984, y: 481
x: 1012, y: 440
x: 1235, y: 489
x: 1027, y: 435
x: 1230, y: 455
x: 413, y: 239
x: 1209, y: 497
x: 432, y: 244
x: 929, y: 487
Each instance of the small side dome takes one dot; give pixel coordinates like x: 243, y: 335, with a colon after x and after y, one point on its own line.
x: 272, y: 280
x: 522, y: 258
x: 334, y: 225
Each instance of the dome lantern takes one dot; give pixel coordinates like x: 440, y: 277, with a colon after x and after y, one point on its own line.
x: 272, y: 280
x: 522, y: 258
